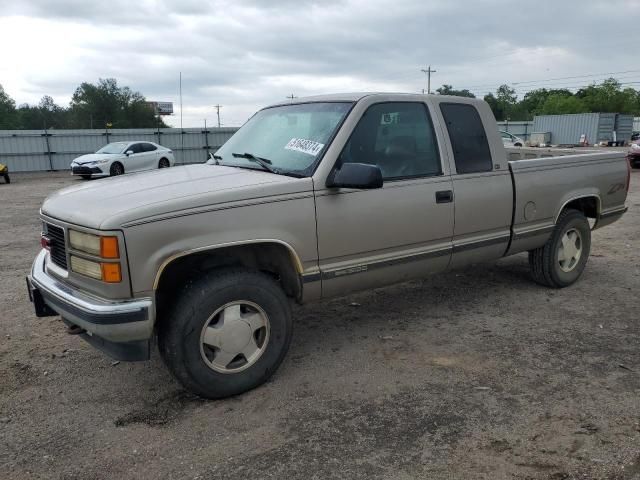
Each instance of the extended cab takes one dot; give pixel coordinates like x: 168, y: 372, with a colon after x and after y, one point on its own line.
x: 309, y: 199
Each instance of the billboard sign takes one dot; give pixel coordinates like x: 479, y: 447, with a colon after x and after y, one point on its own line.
x: 162, y: 108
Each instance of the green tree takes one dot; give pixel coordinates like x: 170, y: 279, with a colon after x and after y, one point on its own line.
x: 449, y: 90
x: 507, y: 100
x: 491, y: 99
x: 95, y: 106
x: 8, y: 119
x: 533, y: 101
x: 504, y: 103
x: 609, y: 96
x: 561, y: 104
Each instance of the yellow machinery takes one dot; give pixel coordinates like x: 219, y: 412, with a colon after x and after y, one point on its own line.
x: 4, y: 171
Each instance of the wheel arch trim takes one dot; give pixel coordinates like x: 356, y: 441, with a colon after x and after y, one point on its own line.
x: 294, y: 255
x: 578, y: 197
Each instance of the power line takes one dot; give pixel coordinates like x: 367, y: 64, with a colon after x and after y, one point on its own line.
x: 523, y: 82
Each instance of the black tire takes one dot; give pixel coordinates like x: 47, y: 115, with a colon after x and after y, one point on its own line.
x: 164, y: 163
x: 116, y: 169
x: 6, y: 178
x: 179, y: 333
x: 545, y: 265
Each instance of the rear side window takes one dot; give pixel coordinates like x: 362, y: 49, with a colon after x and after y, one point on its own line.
x: 148, y: 147
x: 468, y: 138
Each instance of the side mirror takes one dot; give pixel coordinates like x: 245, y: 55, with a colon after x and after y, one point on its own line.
x: 356, y: 175
x: 129, y: 152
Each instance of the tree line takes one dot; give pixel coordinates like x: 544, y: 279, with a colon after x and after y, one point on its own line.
x: 101, y: 105
x: 608, y: 96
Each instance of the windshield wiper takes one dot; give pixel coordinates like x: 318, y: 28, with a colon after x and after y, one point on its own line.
x: 263, y: 162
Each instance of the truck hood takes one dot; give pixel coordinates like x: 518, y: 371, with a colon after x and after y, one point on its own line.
x: 111, y: 203
x: 93, y: 157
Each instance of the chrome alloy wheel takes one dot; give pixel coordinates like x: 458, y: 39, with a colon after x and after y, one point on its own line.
x: 570, y: 250
x: 234, y: 337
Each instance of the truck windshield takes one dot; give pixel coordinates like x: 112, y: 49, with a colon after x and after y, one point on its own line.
x: 292, y: 137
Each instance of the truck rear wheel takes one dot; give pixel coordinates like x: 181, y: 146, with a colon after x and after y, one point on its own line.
x: 227, y: 333
x: 561, y: 261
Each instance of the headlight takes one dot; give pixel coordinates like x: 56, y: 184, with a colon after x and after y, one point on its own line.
x: 102, y: 246
x: 107, y: 272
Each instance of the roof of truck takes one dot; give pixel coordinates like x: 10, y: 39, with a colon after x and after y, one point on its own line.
x: 336, y: 97
x: 355, y: 96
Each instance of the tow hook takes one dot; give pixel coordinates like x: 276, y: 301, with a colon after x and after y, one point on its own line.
x: 75, y: 330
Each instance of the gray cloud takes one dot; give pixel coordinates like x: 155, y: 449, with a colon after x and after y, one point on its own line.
x: 244, y: 54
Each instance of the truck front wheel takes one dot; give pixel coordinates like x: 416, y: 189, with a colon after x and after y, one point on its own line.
x: 227, y: 333
x: 560, y: 261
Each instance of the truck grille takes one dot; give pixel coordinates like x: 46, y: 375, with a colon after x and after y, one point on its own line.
x: 58, y: 247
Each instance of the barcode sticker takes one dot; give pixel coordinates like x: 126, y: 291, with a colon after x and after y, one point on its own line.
x: 305, y: 146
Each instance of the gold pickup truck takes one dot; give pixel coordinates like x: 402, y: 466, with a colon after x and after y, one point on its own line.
x: 309, y: 199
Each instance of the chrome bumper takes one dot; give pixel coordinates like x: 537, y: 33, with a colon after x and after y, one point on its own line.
x: 122, y: 322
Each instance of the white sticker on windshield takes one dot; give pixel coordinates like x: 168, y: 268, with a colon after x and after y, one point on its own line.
x: 305, y: 146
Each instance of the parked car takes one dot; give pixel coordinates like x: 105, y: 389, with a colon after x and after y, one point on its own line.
x: 4, y: 171
x: 122, y: 157
x: 635, y: 136
x: 634, y: 154
x: 310, y: 199
x: 510, y: 140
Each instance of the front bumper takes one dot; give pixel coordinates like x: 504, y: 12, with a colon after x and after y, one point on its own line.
x: 81, y: 170
x: 121, y: 328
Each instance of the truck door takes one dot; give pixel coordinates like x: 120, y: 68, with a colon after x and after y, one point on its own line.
x: 482, y: 184
x: 368, y: 238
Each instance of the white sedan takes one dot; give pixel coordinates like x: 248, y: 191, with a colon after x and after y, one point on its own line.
x: 122, y: 157
x: 510, y: 140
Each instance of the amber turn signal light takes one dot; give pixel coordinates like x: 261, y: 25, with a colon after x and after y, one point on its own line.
x: 111, y: 272
x: 109, y: 247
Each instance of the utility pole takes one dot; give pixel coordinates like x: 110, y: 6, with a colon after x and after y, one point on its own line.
x: 291, y: 97
x: 428, y: 71
x: 218, y: 107
x: 180, y: 101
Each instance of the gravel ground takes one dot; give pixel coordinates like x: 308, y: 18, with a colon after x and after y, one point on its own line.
x: 475, y: 374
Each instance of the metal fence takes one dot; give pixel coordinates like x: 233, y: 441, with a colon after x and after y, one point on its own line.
x: 41, y: 150
x: 519, y: 129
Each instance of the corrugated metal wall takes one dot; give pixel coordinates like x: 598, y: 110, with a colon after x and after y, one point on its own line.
x: 598, y: 127
x: 37, y: 150
x: 636, y: 124
x: 623, y: 127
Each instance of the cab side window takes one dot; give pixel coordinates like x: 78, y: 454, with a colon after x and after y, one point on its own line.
x: 468, y: 138
x: 397, y: 137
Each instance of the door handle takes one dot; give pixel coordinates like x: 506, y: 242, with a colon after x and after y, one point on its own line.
x: 444, y: 196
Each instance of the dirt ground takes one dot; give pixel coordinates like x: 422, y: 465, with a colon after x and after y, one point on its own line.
x: 475, y: 374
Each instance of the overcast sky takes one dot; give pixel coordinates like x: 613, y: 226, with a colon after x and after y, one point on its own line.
x: 246, y: 54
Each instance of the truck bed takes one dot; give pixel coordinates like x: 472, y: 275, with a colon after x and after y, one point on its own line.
x: 547, y: 180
